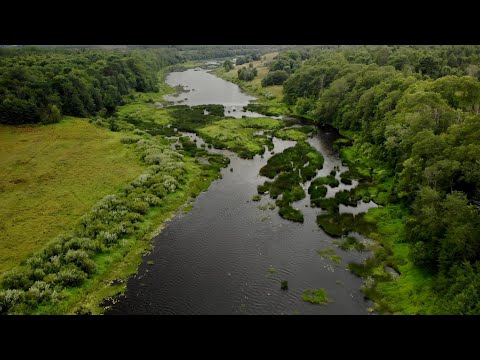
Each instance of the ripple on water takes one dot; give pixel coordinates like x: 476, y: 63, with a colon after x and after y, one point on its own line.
x: 215, y: 258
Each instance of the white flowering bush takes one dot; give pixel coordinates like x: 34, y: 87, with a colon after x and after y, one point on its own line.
x: 39, y: 292
x: 108, y: 237
x: 69, y: 259
x: 9, y: 298
x: 71, y: 276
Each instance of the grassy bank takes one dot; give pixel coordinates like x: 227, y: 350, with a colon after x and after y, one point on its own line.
x: 95, y: 253
x: 74, y: 272
x: 240, y: 135
x: 118, y: 263
x: 51, y: 175
x: 392, y: 281
x: 269, y: 98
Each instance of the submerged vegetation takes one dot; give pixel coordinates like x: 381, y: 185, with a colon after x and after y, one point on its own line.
x: 289, y: 170
x: 316, y: 296
x: 351, y: 243
x: 409, y: 119
x: 329, y: 254
x: 412, y: 114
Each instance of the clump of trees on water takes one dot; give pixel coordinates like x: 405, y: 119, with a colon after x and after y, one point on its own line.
x: 416, y: 110
x: 247, y: 74
x: 288, y: 170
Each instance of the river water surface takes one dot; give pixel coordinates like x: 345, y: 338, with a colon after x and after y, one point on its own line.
x: 227, y: 256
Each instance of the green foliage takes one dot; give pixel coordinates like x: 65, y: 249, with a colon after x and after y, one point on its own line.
x: 351, y: 243
x: 284, y: 285
x: 192, y: 118
x: 317, y: 189
x: 277, y: 77
x: 287, y: 62
x: 72, y: 258
x: 411, y: 112
x: 248, y: 58
x: 293, y: 166
x: 329, y: 254
x: 247, y: 74
x: 240, y: 135
x: 315, y: 296
x: 228, y: 65
x: 40, y: 86
x: 290, y: 134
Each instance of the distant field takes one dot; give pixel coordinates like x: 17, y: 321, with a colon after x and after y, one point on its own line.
x: 255, y: 84
x: 50, y: 176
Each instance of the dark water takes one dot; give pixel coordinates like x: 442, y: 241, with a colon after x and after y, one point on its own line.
x: 216, y: 258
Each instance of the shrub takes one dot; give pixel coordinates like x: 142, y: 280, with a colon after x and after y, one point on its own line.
x: 39, y: 292
x: 38, y: 273
x: 284, y: 285
x: 81, y: 259
x: 53, y: 264
x: 138, y: 206
x: 107, y: 237
x: 71, y: 276
x: 18, y: 279
x: 277, y: 77
x: 128, y: 140
x: 8, y: 298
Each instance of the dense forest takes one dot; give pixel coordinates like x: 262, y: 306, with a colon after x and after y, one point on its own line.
x: 415, y: 110
x: 412, y: 114
x: 39, y: 85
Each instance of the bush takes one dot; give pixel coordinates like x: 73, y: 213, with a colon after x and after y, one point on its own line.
x: 67, y: 261
x: 8, y: 298
x: 247, y: 74
x: 81, y: 259
x: 277, y: 77
x: 284, y: 285
x: 39, y: 292
x: 17, y: 279
x: 107, y: 237
x: 71, y: 276
x: 139, y: 132
x: 128, y: 140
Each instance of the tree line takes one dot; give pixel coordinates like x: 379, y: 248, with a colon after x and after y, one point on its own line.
x: 39, y: 85
x: 417, y: 110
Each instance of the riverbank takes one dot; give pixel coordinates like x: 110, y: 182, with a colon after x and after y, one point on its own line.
x: 269, y: 98
x: 102, y: 261
x: 51, y: 176
x: 391, y: 279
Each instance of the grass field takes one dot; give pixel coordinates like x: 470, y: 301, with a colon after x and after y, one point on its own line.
x: 238, y: 134
x: 269, y: 93
x: 51, y: 175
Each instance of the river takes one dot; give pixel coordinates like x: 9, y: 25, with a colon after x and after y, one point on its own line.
x: 227, y: 256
